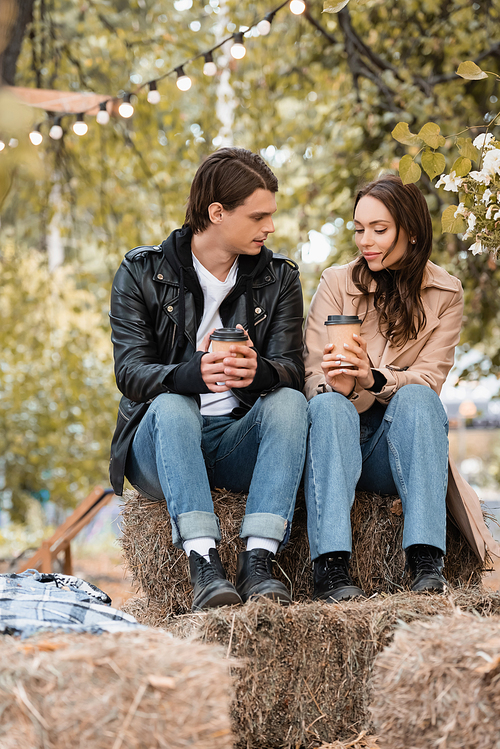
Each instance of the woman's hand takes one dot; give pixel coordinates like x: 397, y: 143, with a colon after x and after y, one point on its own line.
x: 336, y: 377
x: 355, y: 354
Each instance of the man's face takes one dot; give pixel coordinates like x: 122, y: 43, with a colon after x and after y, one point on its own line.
x: 244, y: 230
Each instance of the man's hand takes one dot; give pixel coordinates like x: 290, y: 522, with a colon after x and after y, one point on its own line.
x: 232, y: 371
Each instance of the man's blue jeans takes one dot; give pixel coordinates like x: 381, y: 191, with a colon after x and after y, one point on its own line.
x: 401, y: 449
x: 178, y: 454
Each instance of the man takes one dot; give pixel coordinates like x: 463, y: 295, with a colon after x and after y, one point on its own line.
x: 188, y: 422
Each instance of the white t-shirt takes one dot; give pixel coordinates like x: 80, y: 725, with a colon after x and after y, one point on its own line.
x: 214, y: 293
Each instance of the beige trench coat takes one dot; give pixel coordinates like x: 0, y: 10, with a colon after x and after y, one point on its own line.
x: 425, y: 360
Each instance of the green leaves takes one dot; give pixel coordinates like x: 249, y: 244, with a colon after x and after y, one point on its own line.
x: 409, y: 171
x: 467, y: 150
x: 433, y: 163
x: 461, y: 166
x: 450, y: 223
x: 430, y: 134
x: 402, y: 134
x: 470, y: 71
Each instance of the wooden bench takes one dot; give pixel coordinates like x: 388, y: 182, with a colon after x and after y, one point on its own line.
x: 60, y: 541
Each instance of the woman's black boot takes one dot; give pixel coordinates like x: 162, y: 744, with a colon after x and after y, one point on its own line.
x: 426, y: 567
x: 332, y: 581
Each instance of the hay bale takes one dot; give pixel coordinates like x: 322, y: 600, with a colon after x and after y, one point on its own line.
x: 161, y: 570
x: 306, y: 667
x: 438, y: 684
x: 143, y: 689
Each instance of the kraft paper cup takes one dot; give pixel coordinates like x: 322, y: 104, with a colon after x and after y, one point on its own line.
x: 222, y: 338
x: 340, y: 329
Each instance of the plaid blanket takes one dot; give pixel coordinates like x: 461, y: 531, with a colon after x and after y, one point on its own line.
x: 32, y: 601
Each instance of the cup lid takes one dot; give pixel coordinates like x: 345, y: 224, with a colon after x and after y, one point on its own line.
x: 229, y: 334
x: 342, y: 320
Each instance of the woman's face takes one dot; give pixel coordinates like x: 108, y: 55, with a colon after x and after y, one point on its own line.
x: 375, y: 232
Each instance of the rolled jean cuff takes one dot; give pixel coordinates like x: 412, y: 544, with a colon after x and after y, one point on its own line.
x: 266, y: 525
x: 195, y: 524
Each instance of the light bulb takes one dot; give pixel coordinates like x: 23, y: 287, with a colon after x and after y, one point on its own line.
x: 238, y: 50
x: 126, y: 109
x: 297, y: 7
x: 13, y: 142
x: 80, y: 127
x: 209, y: 68
x: 102, y: 117
x: 2, y: 145
x: 264, y: 27
x: 56, y: 131
x: 35, y: 136
x: 153, y: 93
x: 183, y: 81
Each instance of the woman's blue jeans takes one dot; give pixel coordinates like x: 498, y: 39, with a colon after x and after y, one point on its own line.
x: 178, y: 454
x: 401, y: 449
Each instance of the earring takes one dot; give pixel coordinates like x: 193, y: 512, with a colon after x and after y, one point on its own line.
x: 414, y: 240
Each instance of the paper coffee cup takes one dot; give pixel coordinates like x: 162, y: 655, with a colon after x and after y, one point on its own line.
x: 340, y: 329
x: 222, y: 338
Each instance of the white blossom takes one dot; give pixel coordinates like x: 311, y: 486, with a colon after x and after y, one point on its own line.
x: 496, y: 216
x: 471, y: 221
x: 482, y: 140
x: 450, y: 181
x: 461, y: 210
x: 489, y: 212
x: 477, y: 248
x: 482, y: 177
x: 486, y: 196
x: 491, y: 161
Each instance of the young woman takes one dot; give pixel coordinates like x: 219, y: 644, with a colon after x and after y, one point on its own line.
x: 377, y: 422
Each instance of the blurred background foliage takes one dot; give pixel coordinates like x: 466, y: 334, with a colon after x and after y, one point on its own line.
x: 318, y: 97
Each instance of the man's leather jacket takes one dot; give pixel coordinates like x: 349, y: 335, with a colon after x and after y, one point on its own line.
x: 156, y: 308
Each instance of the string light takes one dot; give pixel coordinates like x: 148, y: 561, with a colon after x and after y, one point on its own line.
x: 2, y: 145
x: 297, y: 7
x: 238, y: 50
x: 13, y: 142
x: 80, y: 127
x: 153, y: 93
x: 183, y: 81
x: 126, y: 109
x: 102, y: 116
x: 264, y: 26
x: 209, y: 68
x: 56, y: 131
x: 35, y: 136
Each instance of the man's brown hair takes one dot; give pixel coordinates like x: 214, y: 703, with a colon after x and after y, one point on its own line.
x: 228, y: 176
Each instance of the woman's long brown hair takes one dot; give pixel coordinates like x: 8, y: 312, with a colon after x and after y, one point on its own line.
x: 397, y: 297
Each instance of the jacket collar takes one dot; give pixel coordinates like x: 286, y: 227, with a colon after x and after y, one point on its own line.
x: 434, y: 276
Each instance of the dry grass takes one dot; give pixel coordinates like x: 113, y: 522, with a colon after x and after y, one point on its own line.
x: 306, y: 667
x: 161, y: 570
x: 143, y: 689
x: 438, y: 685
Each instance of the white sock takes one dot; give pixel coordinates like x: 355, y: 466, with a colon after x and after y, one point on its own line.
x: 201, y: 545
x: 255, y: 542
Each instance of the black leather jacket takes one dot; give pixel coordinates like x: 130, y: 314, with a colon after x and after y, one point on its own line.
x: 156, y: 308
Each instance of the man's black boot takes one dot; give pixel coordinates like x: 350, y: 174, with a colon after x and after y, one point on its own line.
x: 426, y: 567
x: 254, y: 577
x: 332, y: 581
x: 210, y: 587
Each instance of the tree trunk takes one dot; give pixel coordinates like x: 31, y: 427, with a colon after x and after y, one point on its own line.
x: 15, y: 15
